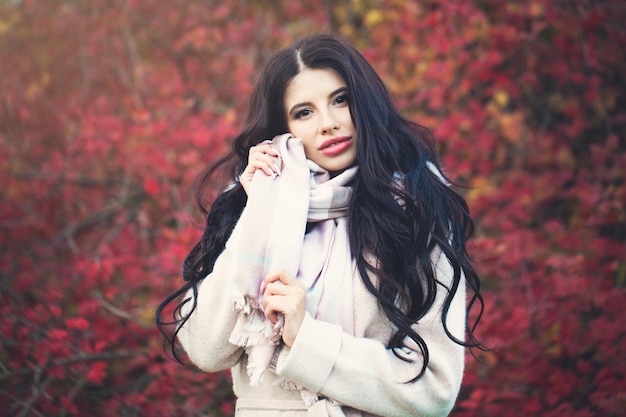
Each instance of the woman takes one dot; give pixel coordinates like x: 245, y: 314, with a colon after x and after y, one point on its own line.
x: 332, y: 274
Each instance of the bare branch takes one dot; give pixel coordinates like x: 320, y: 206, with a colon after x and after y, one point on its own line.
x: 81, y: 357
x: 105, y: 214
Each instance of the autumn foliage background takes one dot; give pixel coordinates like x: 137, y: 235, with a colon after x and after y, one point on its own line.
x: 110, y: 108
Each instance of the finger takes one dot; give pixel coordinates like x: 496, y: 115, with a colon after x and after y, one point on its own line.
x: 267, y: 164
x: 259, y: 154
x: 263, y: 160
x: 282, y: 276
x: 275, y: 305
x: 265, y: 148
x: 278, y: 288
x: 269, y: 167
x: 267, y: 154
x: 271, y: 315
x: 271, y: 308
x: 293, y: 311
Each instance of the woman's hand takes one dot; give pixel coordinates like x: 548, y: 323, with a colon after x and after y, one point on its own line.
x: 282, y: 294
x: 264, y: 157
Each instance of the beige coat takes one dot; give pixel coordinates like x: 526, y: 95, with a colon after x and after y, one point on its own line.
x: 359, y: 375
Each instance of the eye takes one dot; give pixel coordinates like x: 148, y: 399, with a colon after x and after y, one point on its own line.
x: 341, y: 99
x: 302, y: 113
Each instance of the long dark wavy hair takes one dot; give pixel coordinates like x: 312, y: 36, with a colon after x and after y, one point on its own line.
x: 400, y: 209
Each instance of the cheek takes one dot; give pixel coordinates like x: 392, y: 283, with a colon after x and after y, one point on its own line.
x: 296, y: 128
x: 302, y: 130
x: 309, y: 148
x: 346, y: 117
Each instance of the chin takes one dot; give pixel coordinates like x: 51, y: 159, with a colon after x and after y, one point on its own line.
x: 336, y: 169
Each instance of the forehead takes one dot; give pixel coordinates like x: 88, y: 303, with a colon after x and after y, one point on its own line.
x: 311, y: 84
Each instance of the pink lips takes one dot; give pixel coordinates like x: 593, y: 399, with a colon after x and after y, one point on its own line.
x: 335, y: 146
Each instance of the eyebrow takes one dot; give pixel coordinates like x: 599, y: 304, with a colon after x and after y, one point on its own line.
x: 307, y: 103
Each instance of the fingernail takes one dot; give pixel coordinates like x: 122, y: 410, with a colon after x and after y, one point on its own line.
x: 276, y: 168
x: 274, y: 175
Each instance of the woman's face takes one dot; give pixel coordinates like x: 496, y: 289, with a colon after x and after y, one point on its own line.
x: 316, y: 104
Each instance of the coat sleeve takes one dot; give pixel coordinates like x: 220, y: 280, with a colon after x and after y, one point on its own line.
x: 204, y: 336
x: 362, y: 373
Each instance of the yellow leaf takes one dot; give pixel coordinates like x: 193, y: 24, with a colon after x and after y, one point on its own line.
x: 480, y: 186
x: 374, y: 17
x: 511, y: 126
x: 4, y: 27
x: 537, y: 9
x: 36, y: 87
x: 501, y: 98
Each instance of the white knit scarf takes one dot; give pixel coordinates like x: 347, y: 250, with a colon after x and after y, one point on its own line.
x: 270, y: 236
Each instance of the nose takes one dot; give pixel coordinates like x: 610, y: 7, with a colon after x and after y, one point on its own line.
x: 328, y: 122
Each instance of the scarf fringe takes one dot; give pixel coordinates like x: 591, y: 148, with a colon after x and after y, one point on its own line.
x: 253, y: 328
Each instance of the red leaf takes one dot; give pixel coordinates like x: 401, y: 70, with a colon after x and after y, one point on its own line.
x: 151, y: 186
x: 97, y: 372
x: 77, y: 323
